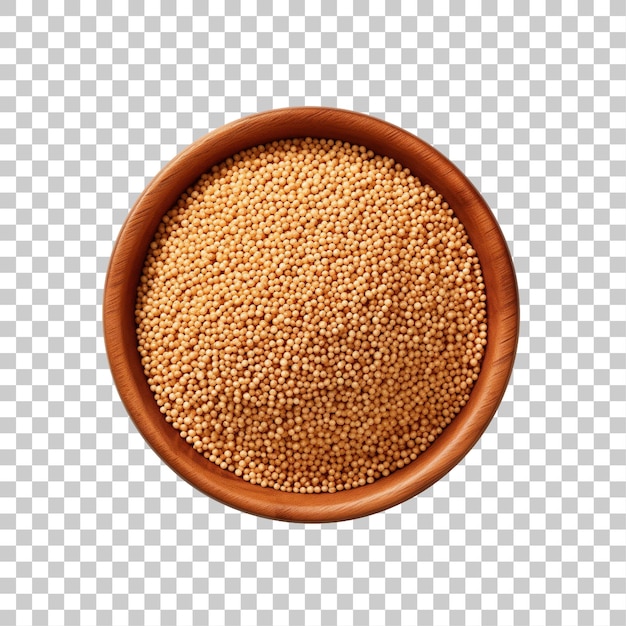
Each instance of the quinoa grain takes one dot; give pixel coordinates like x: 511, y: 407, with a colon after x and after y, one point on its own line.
x: 311, y: 316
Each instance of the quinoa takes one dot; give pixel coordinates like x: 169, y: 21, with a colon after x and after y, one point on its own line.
x: 311, y: 316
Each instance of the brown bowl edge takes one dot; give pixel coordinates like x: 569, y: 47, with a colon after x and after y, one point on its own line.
x: 431, y: 167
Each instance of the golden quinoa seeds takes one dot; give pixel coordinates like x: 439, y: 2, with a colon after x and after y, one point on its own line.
x: 311, y: 316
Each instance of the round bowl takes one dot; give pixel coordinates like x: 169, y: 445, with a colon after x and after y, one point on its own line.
x: 430, y: 167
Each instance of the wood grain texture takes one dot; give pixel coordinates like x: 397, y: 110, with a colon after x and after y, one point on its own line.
x: 427, y: 164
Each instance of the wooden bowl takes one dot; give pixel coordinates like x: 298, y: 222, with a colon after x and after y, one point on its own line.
x: 430, y: 167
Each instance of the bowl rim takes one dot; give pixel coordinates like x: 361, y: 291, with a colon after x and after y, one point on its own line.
x: 485, y: 234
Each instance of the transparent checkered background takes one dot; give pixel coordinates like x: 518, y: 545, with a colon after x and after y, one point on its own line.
x: 529, y: 99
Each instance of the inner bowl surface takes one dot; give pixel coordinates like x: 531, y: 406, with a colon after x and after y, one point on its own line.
x: 430, y: 167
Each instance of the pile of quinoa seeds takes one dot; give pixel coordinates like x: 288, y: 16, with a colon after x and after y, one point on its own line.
x: 311, y: 316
